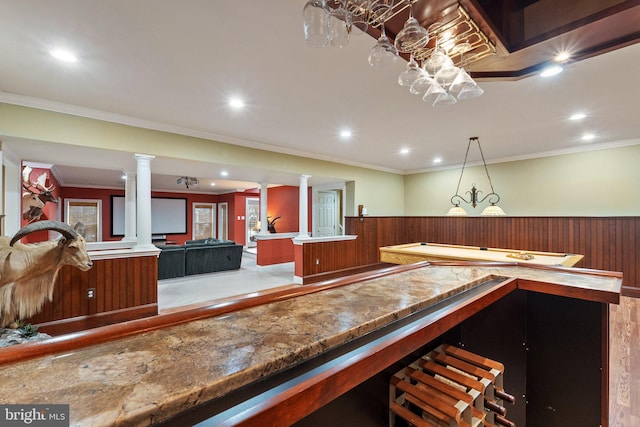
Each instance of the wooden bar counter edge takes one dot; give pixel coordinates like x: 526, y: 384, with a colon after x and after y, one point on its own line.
x: 150, y: 370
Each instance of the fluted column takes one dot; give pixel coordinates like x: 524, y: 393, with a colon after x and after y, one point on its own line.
x: 263, y: 209
x: 303, y: 229
x: 130, y: 219
x: 143, y: 197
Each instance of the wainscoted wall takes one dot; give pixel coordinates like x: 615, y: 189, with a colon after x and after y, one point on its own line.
x: 328, y: 260
x: 607, y: 243
x: 124, y: 289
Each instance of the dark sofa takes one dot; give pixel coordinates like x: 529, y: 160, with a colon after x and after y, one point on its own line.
x: 198, y: 257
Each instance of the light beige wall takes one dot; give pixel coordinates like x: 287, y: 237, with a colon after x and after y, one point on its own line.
x: 594, y: 183
x: 603, y: 182
x: 381, y: 192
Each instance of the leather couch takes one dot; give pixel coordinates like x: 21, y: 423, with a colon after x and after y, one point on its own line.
x: 198, y: 257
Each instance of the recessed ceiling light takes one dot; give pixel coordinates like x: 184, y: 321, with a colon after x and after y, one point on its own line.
x: 551, y: 70
x: 213, y: 184
x: 588, y: 137
x: 404, y: 151
x: 224, y: 173
x: 562, y: 56
x: 437, y: 160
x: 578, y: 116
x: 345, y: 134
x: 236, y: 103
x: 63, y: 55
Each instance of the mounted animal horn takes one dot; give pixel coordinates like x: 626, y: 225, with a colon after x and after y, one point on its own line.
x: 60, y: 227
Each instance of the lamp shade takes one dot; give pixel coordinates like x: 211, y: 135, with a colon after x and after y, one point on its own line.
x: 493, y: 210
x: 457, y: 211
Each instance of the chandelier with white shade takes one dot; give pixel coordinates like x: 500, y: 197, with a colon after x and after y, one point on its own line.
x: 439, y: 50
x: 474, y: 194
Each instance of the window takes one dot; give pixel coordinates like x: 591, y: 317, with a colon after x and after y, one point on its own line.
x: 86, y: 211
x: 204, y: 224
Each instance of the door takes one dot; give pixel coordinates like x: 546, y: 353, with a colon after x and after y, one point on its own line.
x: 327, y: 213
x: 223, y: 221
x: 252, y: 215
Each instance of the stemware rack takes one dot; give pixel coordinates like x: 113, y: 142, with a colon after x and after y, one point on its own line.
x: 457, y: 32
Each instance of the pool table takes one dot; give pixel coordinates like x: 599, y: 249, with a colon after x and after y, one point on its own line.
x: 414, y: 252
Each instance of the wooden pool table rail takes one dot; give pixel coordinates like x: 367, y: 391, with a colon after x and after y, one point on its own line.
x: 411, y: 253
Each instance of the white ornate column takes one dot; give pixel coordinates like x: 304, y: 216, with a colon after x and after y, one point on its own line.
x: 263, y: 209
x: 143, y: 197
x: 130, y: 219
x: 303, y: 228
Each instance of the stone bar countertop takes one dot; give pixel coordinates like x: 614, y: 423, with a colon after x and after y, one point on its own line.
x: 152, y: 376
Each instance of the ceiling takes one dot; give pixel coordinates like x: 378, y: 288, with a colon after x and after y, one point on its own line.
x: 173, y: 65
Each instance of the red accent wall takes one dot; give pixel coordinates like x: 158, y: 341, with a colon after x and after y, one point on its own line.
x: 284, y: 201
x: 95, y: 193
x: 105, y: 196
x: 275, y: 251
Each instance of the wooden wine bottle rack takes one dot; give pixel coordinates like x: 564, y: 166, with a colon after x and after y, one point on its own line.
x: 450, y: 387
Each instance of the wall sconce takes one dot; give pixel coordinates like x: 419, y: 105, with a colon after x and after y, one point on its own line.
x: 493, y: 209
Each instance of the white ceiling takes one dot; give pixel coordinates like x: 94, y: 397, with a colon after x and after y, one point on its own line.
x: 174, y: 64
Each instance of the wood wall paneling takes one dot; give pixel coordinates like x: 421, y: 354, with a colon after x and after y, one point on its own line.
x: 322, y: 257
x: 120, y: 284
x: 607, y: 243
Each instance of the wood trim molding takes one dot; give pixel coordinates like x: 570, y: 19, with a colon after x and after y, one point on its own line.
x: 628, y: 291
x: 330, y: 275
x: 566, y: 291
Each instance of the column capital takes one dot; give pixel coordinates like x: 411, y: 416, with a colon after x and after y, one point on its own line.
x: 139, y: 156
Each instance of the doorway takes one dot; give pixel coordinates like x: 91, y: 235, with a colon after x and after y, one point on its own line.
x: 328, y: 213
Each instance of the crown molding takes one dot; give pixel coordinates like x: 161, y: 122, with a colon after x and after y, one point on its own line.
x: 58, y: 107
x: 542, y: 154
